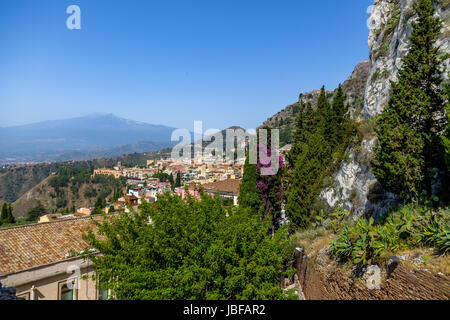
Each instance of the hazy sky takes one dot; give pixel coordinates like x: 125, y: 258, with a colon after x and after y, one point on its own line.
x: 226, y: 62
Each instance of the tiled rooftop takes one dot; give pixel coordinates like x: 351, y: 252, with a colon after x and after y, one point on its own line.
x: 229, y: 185
x: 32, y: 245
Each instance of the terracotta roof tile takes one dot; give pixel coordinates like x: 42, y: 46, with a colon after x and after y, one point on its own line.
x: 32, y: 245
x: 229, y: 185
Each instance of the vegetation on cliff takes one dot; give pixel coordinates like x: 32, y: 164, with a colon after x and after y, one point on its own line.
x: 409, y: 153
x: 322, y: 135
x: 411, y: 226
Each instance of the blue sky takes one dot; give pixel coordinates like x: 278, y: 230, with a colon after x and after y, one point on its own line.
x: 226, y: 62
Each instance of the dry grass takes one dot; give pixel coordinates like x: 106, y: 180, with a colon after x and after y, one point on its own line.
x: 307, y: 238
x: 312, y: 241
x: 426, y: 258
x: 366, y: 128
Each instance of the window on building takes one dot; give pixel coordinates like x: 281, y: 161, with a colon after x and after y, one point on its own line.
x: 67, y: 290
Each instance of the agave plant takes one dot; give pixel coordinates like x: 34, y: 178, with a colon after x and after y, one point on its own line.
x: 443, y: 241
x: 341, y: 246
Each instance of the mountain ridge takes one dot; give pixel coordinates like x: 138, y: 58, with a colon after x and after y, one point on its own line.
x: 94, y: 135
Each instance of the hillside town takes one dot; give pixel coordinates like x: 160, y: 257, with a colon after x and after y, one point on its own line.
x: 146, y: 183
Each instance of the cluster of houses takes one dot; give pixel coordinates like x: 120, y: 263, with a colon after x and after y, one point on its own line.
x: 198, y: 172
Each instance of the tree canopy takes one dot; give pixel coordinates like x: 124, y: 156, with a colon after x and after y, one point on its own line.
x: 175, y: 249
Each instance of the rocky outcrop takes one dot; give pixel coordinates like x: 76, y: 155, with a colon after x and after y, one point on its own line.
x: 355, y: 186
x: 390, y: 24
x: 354, y: 88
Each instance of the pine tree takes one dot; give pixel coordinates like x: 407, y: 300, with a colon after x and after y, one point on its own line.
x: 410, y: 127
x: 34, y: 213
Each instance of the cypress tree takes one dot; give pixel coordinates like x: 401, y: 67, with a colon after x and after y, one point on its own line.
x: 10, y: 218
x: 249, y: 196
x: 178, y: 181
x: 4, y: 215
x: 410, y: 127
x: 323, y: 109
x: 446, y: 136
x: 312, y: 156
x: 306, y: 181
x: 298, y: 135
x: 171, y: 181
x: 339, y: 109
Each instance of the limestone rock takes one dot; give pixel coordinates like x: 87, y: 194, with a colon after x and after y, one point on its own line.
x: 355, y: 187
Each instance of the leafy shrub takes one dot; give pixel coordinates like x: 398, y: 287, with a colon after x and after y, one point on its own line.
x: 409, y: 227
x: 334, y: 220
x: 341, y: 246
x: 443, y: 241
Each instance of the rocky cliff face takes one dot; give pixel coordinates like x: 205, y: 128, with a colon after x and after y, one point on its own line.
x: 390, y: 28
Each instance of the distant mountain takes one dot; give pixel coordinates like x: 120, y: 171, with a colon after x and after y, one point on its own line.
x: 80, y: 138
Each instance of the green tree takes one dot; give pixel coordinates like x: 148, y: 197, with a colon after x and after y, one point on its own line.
x: 311, y: 155
x: 4, y: 214
x: 34, y: 213
x: 178, y: 180
x: 306, y: 181
x: 190, y: 250
x: 10, y: 218
x: 336, y: 130
x: 446, y: 136
x: 249, y: 196
x: 172, y: 182
x: 410, y: 127
x: 100, y: 203
x: 300, y: 124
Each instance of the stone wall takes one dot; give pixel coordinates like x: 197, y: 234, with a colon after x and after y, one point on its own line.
x: 401, y: 283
